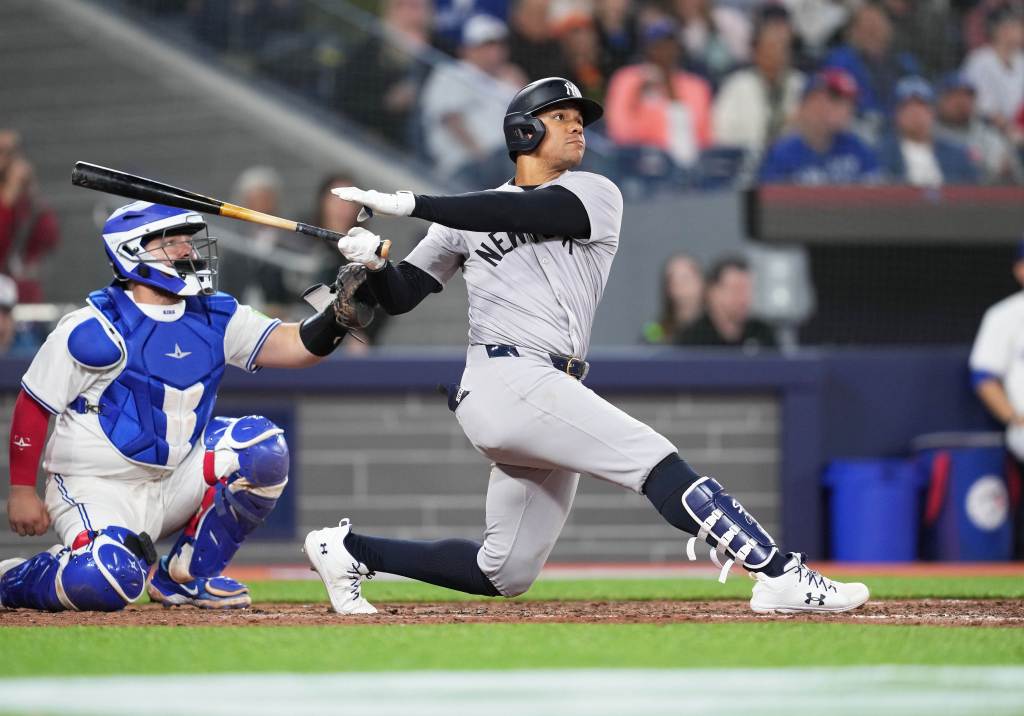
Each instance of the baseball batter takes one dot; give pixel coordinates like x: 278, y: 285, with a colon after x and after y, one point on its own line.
x: 535, y: 254
x: 136, y: 452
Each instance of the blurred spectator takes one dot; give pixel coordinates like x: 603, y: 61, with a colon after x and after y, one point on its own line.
x: 464, y: 102
x: 617, y: 31
x: 339, y: 216
x: 682, y: 298
x: 997, y: 71
x: 869, y: 57
x: 997, y: 373
x: 716, y: 37
x: 531, y: 45
x: 816, y: 22
x: 726, y: 320
x: 28, y: 227
x: 913, y: 154
x: 975, y: 25
x: 8, y: 300
x: 989, y: 149
x: 925, y: 29
x: 450, y: 17
x: 379, y: 82
x: 249, y: 275
x: 754, y: 105
x: 657, y: 104
x: 823, y: 150
x: 581, y: 47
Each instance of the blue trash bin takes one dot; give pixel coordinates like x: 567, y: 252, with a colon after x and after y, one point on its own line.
x: 967, y: 515
x: 874, y: 508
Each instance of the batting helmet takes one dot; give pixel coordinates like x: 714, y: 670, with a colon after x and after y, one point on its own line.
x: 523, y: 131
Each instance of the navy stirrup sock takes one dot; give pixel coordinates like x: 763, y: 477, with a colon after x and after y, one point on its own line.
x: 665, y: 487
x: 447, y: 563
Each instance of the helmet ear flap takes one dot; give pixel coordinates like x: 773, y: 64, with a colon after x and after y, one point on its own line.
x: 523, y: 133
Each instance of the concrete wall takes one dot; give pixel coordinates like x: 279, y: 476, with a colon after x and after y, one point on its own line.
x: 399, y: 465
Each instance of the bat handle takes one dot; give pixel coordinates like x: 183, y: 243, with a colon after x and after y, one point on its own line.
x: 318, y: 232
x: 334, y: 236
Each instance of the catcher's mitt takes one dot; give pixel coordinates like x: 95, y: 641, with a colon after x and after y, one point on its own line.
x: 353, y: 302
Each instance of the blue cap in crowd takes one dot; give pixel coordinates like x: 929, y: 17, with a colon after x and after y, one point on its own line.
x: 954, y: 81
x: 914, y: 87
x: 659, y: 30
x: 1019, y: 256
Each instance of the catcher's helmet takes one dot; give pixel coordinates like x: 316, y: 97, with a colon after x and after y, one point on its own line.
x: 523, y: 131
x: 129, y: 228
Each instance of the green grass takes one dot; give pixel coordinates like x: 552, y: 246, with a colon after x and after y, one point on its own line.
x: 113, y: 650
x: 738, y: 587
x: 156, y: 650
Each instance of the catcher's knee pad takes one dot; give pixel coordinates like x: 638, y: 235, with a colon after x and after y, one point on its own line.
x: 727, y: 527
x: 247, y: 465
x: 102, y: 571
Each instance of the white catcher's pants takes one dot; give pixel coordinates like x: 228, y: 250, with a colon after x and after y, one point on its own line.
x: 542, y: 428
x: 157, y: 507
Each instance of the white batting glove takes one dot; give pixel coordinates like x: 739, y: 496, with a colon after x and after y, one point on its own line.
x: 377, y: 202
x: 360, y: 246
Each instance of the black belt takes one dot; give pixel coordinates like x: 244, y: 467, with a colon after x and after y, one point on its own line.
x: 576, y: 367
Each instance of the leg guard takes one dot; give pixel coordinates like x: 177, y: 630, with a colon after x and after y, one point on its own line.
x: 727, y: 527
x: 247, y: 468
x: 102, y: 571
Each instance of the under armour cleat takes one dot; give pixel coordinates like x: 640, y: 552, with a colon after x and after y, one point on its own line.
x: 6, y: 566
x: 218, y: 592
x: 801, y: 589
x: 341, y: 573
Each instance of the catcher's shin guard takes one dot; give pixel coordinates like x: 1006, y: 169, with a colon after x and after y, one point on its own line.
x: 727, y: 527
x: 247, y: 468
x: 101, y: 571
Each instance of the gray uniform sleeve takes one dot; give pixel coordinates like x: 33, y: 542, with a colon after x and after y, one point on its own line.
x: 441, y: 253
x: 602, y: 200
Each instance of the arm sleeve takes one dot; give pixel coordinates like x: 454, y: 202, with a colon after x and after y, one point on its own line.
x: 399, y: 289
x: 28, y: 433
x: 550, y: 210
x: 246, y: 333
x: 602, y: 202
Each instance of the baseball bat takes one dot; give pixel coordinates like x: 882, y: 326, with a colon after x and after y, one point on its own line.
x: 112, y: 181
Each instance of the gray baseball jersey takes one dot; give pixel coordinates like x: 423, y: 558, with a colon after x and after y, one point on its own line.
x: 539, y: 426
x: 531, y: 291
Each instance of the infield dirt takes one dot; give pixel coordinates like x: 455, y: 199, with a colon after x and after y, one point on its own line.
x: 935, y: 612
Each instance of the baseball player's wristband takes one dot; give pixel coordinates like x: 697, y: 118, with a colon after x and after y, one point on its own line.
x: 321, y: 333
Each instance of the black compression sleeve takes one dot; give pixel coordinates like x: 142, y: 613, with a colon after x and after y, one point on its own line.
x: 401, y: 288
x: 550, y: 211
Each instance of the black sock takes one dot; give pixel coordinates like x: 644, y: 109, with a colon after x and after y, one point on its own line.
x: 447, y: 563
x: 665, y: 486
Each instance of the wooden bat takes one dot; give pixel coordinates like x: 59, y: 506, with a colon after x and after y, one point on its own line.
x: 112, y: 181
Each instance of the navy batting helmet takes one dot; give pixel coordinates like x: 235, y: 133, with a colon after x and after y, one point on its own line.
x: 523, y: 131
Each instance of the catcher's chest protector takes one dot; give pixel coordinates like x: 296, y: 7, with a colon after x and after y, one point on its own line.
x: 163, y: 398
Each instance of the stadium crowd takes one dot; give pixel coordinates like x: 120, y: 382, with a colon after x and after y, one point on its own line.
x: 925, y: 92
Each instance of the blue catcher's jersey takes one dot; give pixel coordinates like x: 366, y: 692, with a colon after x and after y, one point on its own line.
x: 159, y: 404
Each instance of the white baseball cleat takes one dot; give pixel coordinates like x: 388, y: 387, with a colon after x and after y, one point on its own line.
x: 801, y: 589
x: 341, y: 573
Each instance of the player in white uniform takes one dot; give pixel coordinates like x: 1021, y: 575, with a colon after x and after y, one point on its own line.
x: 136, y: 452
x: 997, y: 368
x: 535, y: 254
